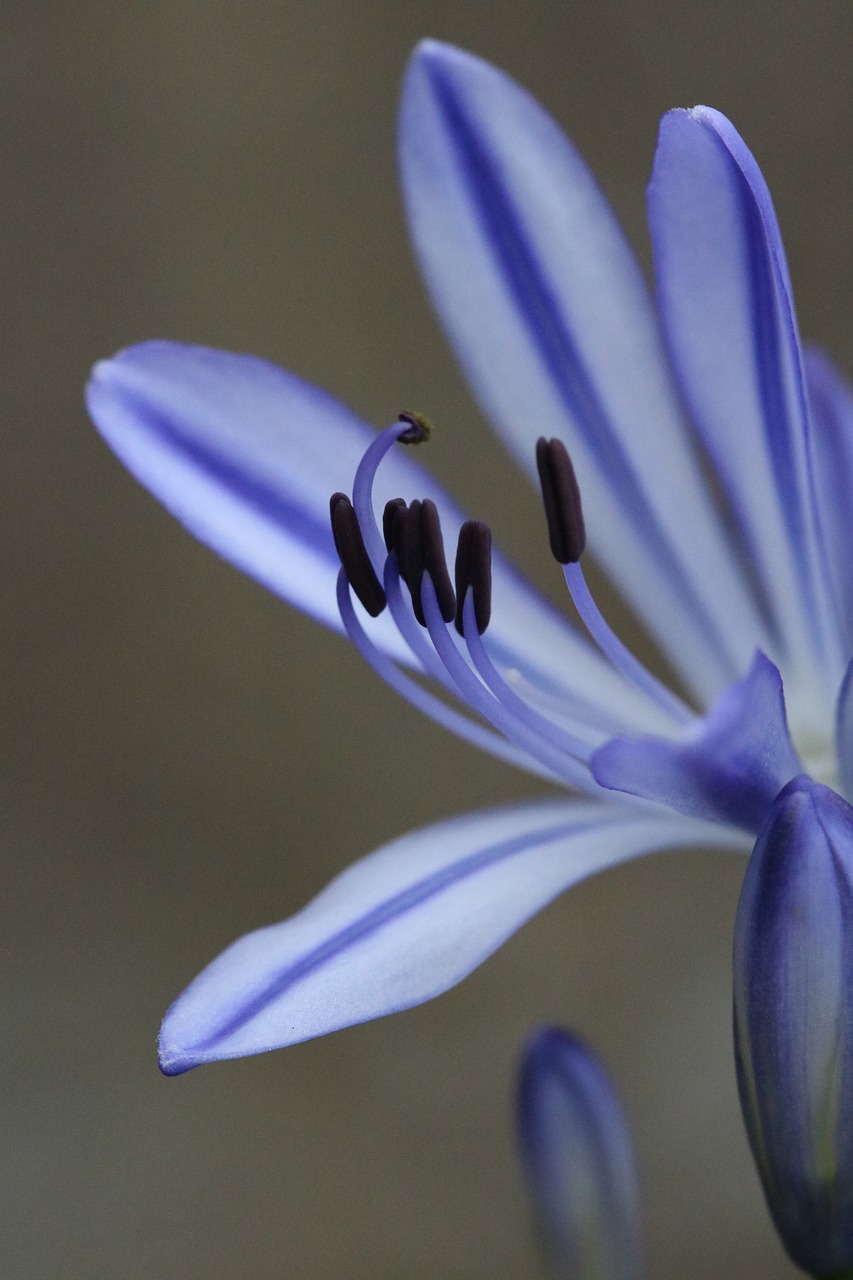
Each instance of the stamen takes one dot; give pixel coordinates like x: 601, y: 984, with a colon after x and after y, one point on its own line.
x: 426, y: 702
x: 483, y: 701
x: 389, y: 515
x: 434, y: 559
x: 567, y: 536
x: 355, y: 561
x: 474, y: 572
x: 426, y: 654
x: 414, y: 636
x: 562, y: 500
x: 411, y: 554
x: 618, y: 653
x: 419, y: 547
x: 561, y: 738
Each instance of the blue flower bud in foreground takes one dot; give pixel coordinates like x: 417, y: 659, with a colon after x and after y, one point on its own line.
x: 577, y: 1160
x: 793, y: 1020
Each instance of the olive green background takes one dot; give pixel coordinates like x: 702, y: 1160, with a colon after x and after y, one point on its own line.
x: 184, y: 758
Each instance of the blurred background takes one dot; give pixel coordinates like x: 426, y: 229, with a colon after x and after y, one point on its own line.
x: 185, y: 758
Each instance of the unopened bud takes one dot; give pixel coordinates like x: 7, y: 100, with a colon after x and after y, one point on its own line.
x: 793, y: 1020
x: 578, y: 1161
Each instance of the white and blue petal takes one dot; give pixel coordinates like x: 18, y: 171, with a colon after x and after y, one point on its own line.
x: 406, y: 923
x: 247, y: 456
x: 244, y: 454
x: 728, y: 313
x: 831, y: 403
x: 729, y: 766
x: 793, y: 1007
x: 549, y: 315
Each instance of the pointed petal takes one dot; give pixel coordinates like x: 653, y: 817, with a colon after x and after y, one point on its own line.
x: 550, y: 317
x: 402, y: 925
x: 730, y: 767
x: 577, y: 1155
x: 247, y: 456
x: 728, y: 313
x: 831, y: 403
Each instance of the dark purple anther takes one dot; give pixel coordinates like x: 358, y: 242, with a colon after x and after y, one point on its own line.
x: 562, y: 499
x: 355, y: 561
x: 417, y: 541
x: 474, y: 571
x: 389, y: 515
x: 412, y: 563
x: 434, y: 559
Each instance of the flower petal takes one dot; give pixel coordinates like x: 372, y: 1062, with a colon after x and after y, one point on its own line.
x: 247, y: 456
x: 831, y: 403
x: 550, y: 317
x: 403, y: 925
x: 728, y: 313
x: 730, y: 767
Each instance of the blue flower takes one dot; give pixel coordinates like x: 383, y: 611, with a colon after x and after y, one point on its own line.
x: 793, y: 1007
x: 578, y: 1161
x: 745, y: 582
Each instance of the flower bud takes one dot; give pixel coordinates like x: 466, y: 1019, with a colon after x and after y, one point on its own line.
x: 793, y: 1020
x: 578, y: 1161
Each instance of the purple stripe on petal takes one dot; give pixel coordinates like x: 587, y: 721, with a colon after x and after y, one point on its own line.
x: 247, y: 455
x: 831, y: 402
x: 728, y: 314
x: 403, y: 925
x: 533, y: 295
x: 550, y: 316
x: 290, y: 513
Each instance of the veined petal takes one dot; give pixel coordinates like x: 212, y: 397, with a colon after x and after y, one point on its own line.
x: 728, y: 313
x: 831, y: 403
x: 404, y: 924
x: 729, y: 766
x: 247, y: 456
x: 550, y: 317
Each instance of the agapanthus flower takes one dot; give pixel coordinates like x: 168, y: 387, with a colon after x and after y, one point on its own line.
x: 578, y: 1161
x: 713, y: 459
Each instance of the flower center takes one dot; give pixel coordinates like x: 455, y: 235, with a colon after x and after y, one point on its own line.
x: 408, y: 549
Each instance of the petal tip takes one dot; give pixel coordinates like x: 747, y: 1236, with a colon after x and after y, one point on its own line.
x: 431, y: 52
x: 441, y: 63
x: 173, y: 1061
x: 108, y: 371
x: 705, y: 118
